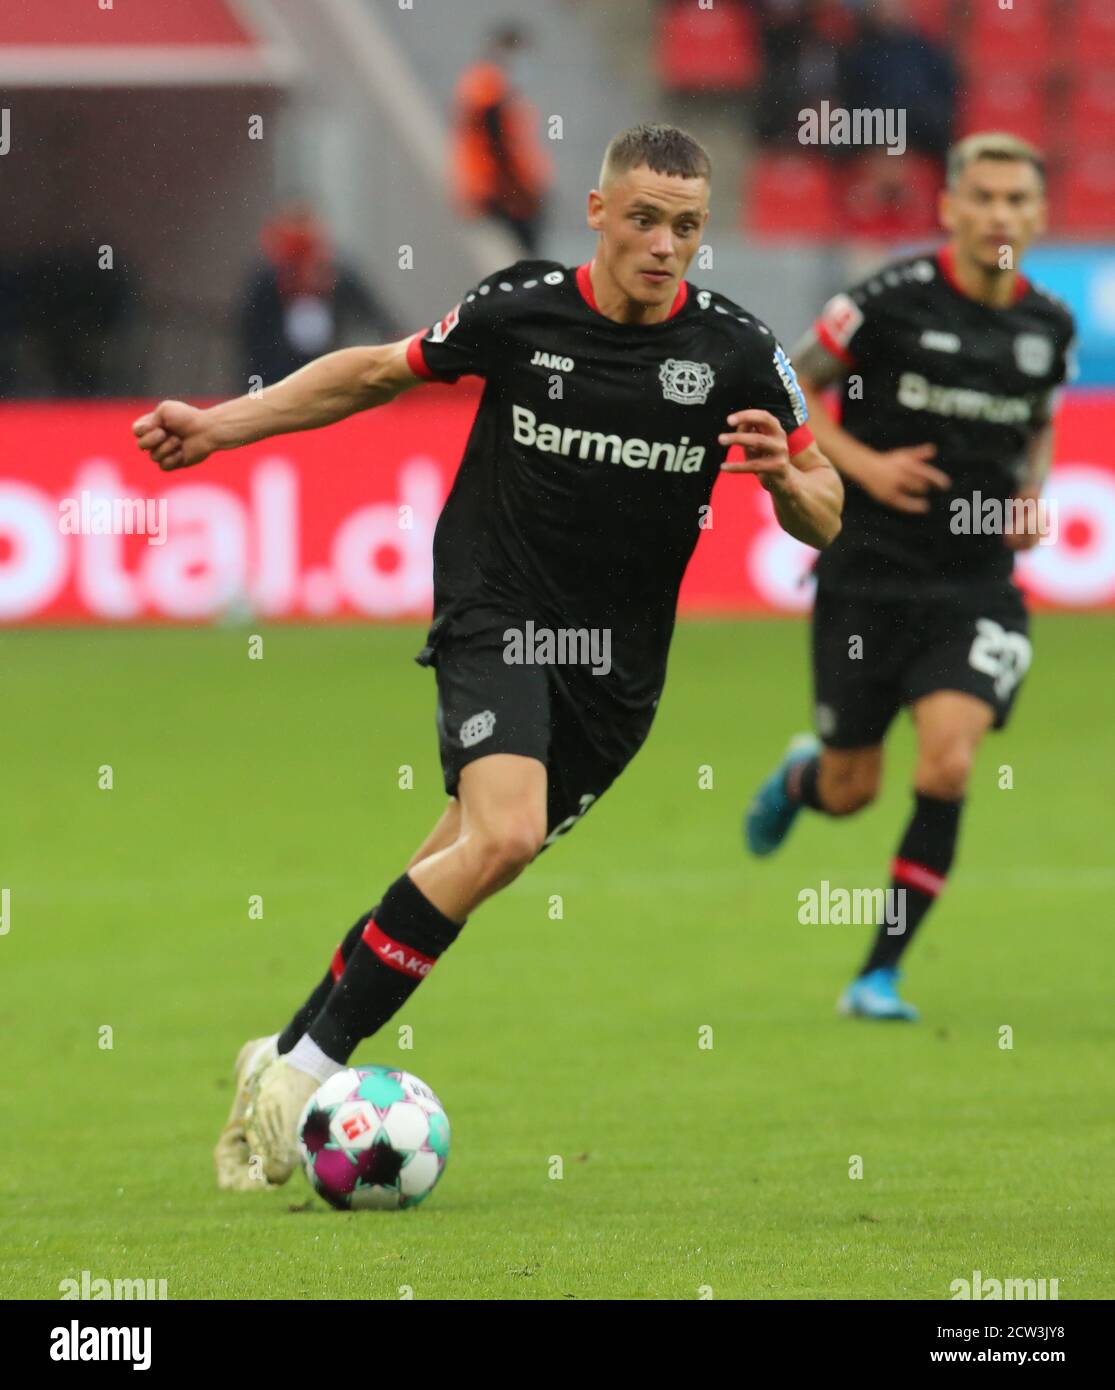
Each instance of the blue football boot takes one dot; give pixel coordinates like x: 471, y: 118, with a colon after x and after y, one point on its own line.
x: 770, y: 815
x: 875, y: 995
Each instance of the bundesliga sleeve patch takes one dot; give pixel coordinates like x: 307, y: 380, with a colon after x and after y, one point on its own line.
x: 840, y: 321
x: 433, y: 337
x: 442, y: 330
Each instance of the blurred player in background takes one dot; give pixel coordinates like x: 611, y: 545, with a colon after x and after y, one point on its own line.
x: 614, y: 391
x: 948, y: 367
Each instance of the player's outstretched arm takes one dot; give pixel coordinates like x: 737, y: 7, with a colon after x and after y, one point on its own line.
x: 177, y: 435
x: 806, y: 490
x: 898, y: 478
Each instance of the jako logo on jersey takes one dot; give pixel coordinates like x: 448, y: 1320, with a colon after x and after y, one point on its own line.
x: 636, y: 453
x: 442, y: 330
x: 790, y: 381
x: 916, y: 393
x: 477, y: 728
x: 555, y: 363
x: 940, y: 342
x: 686, y: 383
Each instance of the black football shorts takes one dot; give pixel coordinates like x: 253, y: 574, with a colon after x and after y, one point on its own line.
x: 557, y: 715
x: 871, y: 657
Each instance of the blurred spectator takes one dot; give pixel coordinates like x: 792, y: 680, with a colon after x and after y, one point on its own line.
x: 500, y: 169
x: 10, y: 331
x: 890, y: 65
x: 799, y: 64
x: 301, y: 302
x: 71, y: 311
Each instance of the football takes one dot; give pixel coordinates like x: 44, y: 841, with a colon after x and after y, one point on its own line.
x: 373, y: 1138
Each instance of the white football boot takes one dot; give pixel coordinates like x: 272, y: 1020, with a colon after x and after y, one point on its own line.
x: 271, y: 1124
x: 231, y: 1155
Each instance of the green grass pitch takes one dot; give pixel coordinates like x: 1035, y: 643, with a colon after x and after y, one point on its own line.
x: 685, y: 1168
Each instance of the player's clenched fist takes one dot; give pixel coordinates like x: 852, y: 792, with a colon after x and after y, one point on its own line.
x: 175, y: 434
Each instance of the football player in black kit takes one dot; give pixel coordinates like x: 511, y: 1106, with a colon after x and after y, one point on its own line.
x: 948, y: 367
x: 613, y: 392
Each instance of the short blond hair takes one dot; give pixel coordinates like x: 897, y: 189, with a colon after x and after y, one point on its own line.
x: 992, y: 144
x: 664, y: 149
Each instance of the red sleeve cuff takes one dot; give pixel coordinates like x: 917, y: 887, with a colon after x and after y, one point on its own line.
x: 829, y: 343
x: 416, y: 358
x: 801, y: 439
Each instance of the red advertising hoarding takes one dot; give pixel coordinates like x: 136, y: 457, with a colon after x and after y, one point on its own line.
x: 338, y: 523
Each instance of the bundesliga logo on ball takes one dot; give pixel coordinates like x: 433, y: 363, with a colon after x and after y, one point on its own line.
x: 373, y: 1139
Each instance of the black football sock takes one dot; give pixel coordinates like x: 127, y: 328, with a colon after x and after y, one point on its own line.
x: 801, y: 783
x: 316, y: 1002
x: 396, y: 951
x: 917, y: 875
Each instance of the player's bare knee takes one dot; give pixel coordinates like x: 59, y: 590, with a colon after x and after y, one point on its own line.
x: 847, y: 797
x: 945, y: 773
x: 504, y: 850
x: 847, y: 787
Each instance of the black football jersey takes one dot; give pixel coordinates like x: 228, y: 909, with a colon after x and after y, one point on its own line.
x: 579, y: 498
x: 928, y: 364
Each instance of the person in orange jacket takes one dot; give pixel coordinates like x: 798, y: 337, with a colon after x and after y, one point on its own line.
x: 500, y: 169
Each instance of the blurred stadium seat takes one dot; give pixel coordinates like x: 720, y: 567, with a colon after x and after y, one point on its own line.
x: 707, y: 50
x: 1008, y: 100
x: 1090, y: 34
x: 790, y: 195
x: 890, y: 198
x: 1083, y: 201
x: 1019, y: 39
x: 1091, y: 122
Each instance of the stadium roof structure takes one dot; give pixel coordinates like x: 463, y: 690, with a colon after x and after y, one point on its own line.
x: 140, y: 43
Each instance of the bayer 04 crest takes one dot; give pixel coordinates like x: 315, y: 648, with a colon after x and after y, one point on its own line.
x: 687, y: 383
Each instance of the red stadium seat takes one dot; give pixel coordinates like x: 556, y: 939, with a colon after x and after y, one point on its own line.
x: 1012, y: 101
x: 1083, y: 202
x: 1092, y: 111
x: 890, y: 198
x: 790, y: 195
x: 707, y: 50
x: 1090, y: 35
x: 1018, y: 39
